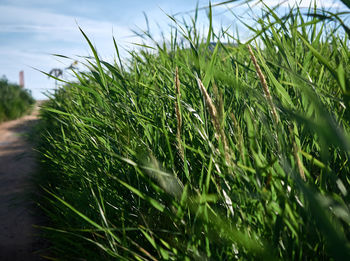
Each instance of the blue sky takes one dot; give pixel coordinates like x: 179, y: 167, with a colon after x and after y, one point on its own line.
x: 32, y: 30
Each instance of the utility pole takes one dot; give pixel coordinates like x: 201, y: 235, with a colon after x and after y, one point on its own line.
x: 21, y: 79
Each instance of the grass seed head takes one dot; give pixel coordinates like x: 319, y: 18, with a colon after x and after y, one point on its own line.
x: 264, y: 84
x: 219, y: 132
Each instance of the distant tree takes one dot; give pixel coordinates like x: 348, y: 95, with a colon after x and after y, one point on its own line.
x: 56, y: 72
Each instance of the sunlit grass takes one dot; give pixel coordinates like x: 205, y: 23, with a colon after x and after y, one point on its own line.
x: 199, y: 153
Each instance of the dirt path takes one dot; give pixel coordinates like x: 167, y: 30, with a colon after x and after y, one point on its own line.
x: 18, y: 237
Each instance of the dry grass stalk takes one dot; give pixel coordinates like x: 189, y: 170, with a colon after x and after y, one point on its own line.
x: 219, y: 132
x: 264, y: 84
x: 178, y: 114
x: 298, y: 161
x: 296, y: 156
x: 219, y: 103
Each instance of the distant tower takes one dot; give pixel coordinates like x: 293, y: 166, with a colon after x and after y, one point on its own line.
x: 21, y: 79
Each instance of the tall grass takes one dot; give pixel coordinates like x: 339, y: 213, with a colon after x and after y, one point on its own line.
x: 198, y: 153
x: 14, y: 100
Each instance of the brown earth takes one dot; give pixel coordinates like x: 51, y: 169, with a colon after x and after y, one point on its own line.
x: 19, y: 240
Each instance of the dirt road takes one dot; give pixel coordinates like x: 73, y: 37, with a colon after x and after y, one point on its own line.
x: 18, y: 237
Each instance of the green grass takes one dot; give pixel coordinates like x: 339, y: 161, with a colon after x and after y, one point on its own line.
x: 14, y: 100
x: 189, y: 154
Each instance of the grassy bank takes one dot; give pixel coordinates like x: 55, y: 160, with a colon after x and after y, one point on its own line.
x: 14, y: 100
x: 194, y: 153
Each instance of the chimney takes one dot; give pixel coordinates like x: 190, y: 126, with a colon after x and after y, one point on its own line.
x: 21, y: 79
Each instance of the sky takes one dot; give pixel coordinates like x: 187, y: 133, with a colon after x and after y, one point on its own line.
x: 31, y: 31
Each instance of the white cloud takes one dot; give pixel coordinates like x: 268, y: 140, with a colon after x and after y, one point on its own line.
x: 39, y: 32
x: 58, y: 26
x: 33, y: 2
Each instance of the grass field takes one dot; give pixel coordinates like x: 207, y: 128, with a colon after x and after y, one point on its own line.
x: 14, y: 100
x: 187, y: 152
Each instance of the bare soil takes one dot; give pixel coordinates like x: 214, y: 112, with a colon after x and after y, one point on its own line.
x: 19, y: 239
